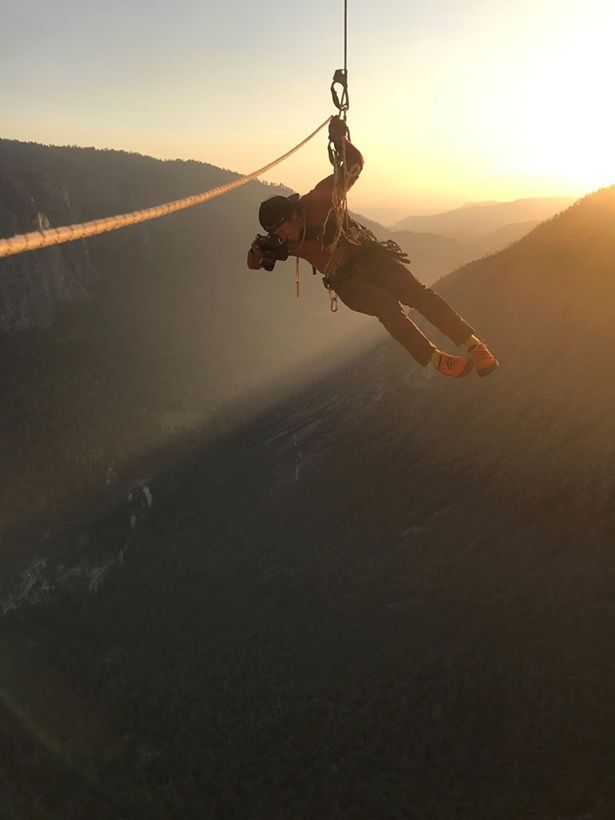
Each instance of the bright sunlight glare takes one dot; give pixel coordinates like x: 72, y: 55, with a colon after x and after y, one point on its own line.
x: 565, y: 123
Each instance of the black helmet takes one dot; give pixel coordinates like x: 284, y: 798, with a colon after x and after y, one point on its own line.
x: 276, y: 210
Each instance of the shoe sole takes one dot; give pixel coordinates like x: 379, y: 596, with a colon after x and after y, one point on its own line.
x: 488, y: 370
x: 465, y: 372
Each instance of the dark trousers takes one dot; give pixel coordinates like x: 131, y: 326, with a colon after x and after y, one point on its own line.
x: 376, y: 284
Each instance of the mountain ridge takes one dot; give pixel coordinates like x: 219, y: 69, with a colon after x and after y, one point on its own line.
x: 478, y: 218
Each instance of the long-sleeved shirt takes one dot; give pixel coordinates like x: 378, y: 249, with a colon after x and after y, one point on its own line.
x: 315, y: 207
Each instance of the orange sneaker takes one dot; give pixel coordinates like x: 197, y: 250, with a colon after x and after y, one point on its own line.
x: 455, y: 366
x: 483, y: 358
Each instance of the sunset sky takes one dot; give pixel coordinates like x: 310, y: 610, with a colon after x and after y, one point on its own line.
x: 451, y: 100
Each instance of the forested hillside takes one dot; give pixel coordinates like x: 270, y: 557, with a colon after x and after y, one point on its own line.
x: 388, y: 597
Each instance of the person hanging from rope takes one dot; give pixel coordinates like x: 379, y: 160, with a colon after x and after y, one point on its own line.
x: 369, y: 276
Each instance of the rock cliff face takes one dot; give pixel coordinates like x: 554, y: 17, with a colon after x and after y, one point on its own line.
x: 34, y: 285
x: 42, y: 186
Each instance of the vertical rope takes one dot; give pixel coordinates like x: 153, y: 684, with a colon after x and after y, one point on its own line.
x: 346, y: 36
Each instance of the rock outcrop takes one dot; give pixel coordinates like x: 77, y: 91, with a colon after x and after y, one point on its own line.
x: 34, y: 285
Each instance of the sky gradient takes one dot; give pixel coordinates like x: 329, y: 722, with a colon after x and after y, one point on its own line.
x: 451, y: 100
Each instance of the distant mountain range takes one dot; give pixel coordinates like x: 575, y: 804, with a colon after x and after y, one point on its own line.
x: 439, y: 243
x: 473, y: 220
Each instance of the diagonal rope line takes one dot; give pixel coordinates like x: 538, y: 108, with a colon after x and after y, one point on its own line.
x: 55, y: 236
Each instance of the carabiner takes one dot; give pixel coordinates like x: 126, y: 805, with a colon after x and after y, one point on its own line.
x: 340, y: 78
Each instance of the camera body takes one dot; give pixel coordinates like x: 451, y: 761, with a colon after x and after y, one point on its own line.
x: 272, y: 249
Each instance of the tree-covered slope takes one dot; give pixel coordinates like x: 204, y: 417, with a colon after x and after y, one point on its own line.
x: 389, y: 597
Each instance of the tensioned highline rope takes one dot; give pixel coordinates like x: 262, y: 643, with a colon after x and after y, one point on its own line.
x: 54, y: 236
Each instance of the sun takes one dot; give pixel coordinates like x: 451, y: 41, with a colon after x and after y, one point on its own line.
x: 561, y: 122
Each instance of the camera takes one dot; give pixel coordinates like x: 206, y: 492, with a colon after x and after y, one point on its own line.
x: 272, y: 249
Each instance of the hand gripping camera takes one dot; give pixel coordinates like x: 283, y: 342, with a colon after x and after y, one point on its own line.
x: 272, y: 249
